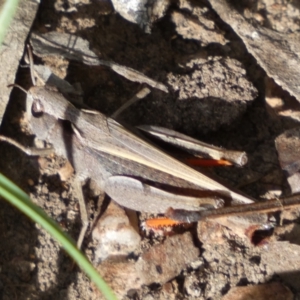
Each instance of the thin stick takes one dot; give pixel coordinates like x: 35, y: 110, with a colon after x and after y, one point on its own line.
x: 263, y: 207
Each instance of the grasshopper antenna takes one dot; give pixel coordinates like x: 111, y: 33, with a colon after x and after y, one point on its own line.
x: 31, y: 65
x: 17, y: 86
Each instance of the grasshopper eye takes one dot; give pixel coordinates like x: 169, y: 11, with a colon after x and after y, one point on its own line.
x: 37, y: 108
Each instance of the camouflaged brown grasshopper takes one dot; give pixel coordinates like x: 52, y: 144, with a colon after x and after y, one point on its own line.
x: 132, y: 171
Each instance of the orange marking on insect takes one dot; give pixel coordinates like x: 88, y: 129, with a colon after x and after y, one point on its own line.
x: 159, y: 223
x: 208, y: 162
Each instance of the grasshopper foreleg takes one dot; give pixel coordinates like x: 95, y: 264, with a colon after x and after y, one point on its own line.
x: 83, y: 211
x: 31, y: 151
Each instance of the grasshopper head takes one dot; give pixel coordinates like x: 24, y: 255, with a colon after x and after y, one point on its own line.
x: 48, y: 100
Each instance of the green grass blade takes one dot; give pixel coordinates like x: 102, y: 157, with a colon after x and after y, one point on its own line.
x: 21, y: 200
x: 6, y: 14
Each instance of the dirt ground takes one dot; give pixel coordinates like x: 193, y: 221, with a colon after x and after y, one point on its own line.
x: 216, y: 94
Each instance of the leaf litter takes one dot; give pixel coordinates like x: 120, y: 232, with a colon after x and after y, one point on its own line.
x: 213, y: 83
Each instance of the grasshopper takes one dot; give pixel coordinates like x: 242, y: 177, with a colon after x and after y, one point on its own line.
x: 134, y: 157
x: 132, y: 171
